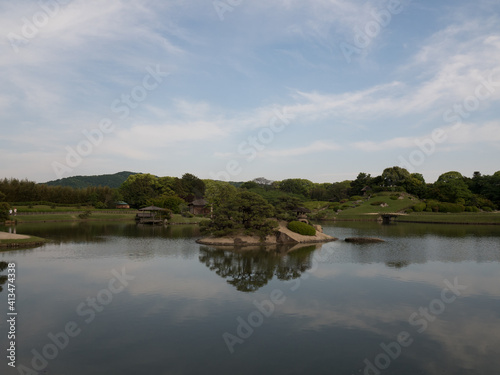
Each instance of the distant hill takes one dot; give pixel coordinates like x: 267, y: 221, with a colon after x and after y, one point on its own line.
x: 111, y: 180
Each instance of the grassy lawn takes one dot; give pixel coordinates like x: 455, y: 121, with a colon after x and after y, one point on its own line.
x: 45, y: 208
x: 179, y: 219
x: 27, y: 241
x: 96, y: 215
x: 464, y: 217
x: 366, y: 208
x: 315, y: 205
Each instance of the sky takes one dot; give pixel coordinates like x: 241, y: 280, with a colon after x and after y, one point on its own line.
x: 240, y: 89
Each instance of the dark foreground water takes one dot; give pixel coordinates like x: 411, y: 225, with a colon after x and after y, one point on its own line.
x: 114, y: 298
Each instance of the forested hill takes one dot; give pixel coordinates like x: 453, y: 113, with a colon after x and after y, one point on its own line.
x: 111, y: 180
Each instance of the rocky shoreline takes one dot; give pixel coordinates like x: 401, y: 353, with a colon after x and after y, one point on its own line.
x: 282, y: 236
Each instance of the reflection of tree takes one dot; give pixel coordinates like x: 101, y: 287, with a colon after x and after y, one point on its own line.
x: 397, y: 264
x: 3, y: 278
x: 249, y: 270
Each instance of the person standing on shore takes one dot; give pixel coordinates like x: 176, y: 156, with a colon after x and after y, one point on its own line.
x: 10, y: 212
x: 15, y: 211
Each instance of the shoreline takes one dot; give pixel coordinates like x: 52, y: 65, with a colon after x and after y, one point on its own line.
x: 282, y: 236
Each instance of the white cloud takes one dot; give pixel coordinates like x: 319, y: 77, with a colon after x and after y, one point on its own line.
x: 315, y: 147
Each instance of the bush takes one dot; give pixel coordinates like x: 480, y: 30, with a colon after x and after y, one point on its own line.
x: 432, y: 206
x: 394, y: 197
x: 85, y: 215
x: 419, y: 207
x: 100, y: 205
x: 334, y: 206
x: 472, y: 209
x: 487, y: 209
x: 377, y: 203
x: 320, y: 215
x: 4, y: 211
x: 356, y: 198
x: 450, y: 207
x: 301, y: 228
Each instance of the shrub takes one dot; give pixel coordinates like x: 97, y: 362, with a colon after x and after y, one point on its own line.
x: 301, y: 228
x: 85, y: 215
x: 487, y: 209
x: 100, y: 205
x: 450, y: 207
x: 472, y: 209
x: 394, y: 197
x: 377, y: 203
x: 334, y: 206
x: 356, y: 198
x: 419, y: 207
x: 344, y: 200
x: 432, y: 206
x: 320, y: 215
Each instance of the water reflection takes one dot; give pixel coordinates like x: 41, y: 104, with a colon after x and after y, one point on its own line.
x: 101, y: 231
x: 3, y: 278
x: 250, y: 270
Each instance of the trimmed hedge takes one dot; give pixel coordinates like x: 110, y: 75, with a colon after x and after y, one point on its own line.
x: 301, y: 228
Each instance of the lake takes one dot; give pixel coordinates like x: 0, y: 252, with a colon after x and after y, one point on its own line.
x: 116, y: 298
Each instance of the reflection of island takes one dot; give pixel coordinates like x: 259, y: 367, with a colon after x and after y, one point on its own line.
x: 3, y: 278
x: 249, y: 270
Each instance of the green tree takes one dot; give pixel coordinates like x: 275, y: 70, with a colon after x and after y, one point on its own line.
x: 4, y: 211
x: 395, y: 176
x: 340, y: 190
x: 451, y: 186
x: 246, y: 211
x: 139, y: 188
x: 193, y: 186
x: 216, y: 192
x: 298, y: 186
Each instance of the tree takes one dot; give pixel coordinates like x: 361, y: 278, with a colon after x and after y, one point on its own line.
x: 216, y: 192
x: 451, y: 186
x: 297, y: 186
x: 139, y: 188
x: 361, y: 181
x: 193, y: 186
x: 415, y: 184
x: 395, y: 176
x: 339, y: 190
x: 246, y: 211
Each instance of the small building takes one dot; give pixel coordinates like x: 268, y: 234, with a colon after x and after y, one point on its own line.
x: 199, y: 207
x: 122, y: 204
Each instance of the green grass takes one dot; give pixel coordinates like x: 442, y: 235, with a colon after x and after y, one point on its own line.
x: 315, y: 205
x: 179, y: 219
x: 30, y: 240
x: 464, y: 217
x: 366, y: 208
x: 46, y: 208
x: 96, y: 215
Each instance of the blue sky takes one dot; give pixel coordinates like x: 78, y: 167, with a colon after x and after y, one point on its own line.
x: 241, y: 89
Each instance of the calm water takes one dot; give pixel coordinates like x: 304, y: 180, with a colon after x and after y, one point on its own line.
x: 143, y: 300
